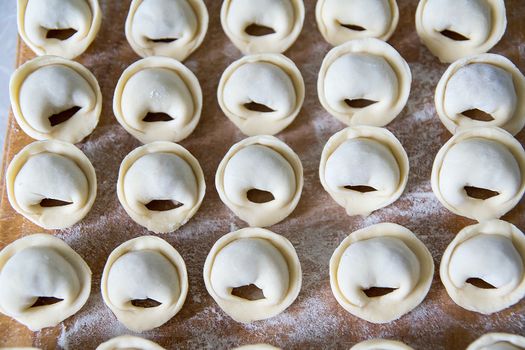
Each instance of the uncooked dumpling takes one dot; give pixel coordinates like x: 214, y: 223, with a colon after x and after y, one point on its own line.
x: 158, y: 99
x: 494, y: 252
x: 42, y: 266
x: 253, y: 256
x: 173, y: 28
x: 478, y: 173
x: 262, y: 26
x: 364, y: 82
x: 52, y: 183
x: 342, y: 20
x: 161, y: 186
x: 144, y: 269
x: 364, y: 168
x: 55, y: 98
x: 498, y: 341
x: 58, y: 27
x: 260, y: 179
x: 127, y: 342
x: 453, y: 29
x: 270, y: 105
x: 482, y: 90
x: 381, y: 272
x: 380, y: 344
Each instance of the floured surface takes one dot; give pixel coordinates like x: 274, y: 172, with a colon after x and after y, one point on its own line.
x: 315, y: 228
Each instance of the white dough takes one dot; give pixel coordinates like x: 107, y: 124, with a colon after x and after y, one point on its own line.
x: 498, y: 341
x: 253, y: 256
x: 380, y: 344
x: 364, y: 69
x: 376, y: 19
x: 127, y: 342
x: 481, y: 22
x: 381, y: 256
x: 51, y: 170
x: 49, y: 85
x: 271, y: 80
x: 37, y: 17
x: 493, y: 251
x: 158, y: 85
x: 173, y: 28
x: 144, y: 268
x: 42, y: 265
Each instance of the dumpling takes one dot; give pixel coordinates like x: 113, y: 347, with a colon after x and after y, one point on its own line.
x: 380, y: 344
x: 161, y: 186
x: 55, y: 98
x: 262, y: 26
x: 364, y: 168
x: 478, y: 173
x: 481, y: 90
x: 158, y: 99
x: 483, y: 268
x: 342, y: 20
x: 364, y: 82
x: 267, y: 107
x: 453, y: 29
x: 144, y: 283
x: 260, y: 179
x: 127, y: 342
x: 42, y: 281
x: 252, y: 257
x: 381, y: 272
x: 498, y: 341
x: 172, y: 28
x: 58, y: 27
x: 52, y: 183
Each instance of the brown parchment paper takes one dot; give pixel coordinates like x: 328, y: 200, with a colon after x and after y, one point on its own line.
x: 315, y: 228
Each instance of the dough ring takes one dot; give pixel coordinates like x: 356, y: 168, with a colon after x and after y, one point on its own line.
x: 261, y: 26
x: 453, y: 29
x: 380, y: 344
x: 364, y: 168
x: 58, y: 27
x: 340, y: 20
x: 161, y: 186
x: 267, y: 107
x: 478, y: 173
x: 394, y: 275
x: 498, y: 341
x: 145, y: 269
x: 172, y: 28
x: 253, y: 256
x: 364, y: 81
x: 252, y: 168
x: 482, y: 90
x: 42, y: 281
x: 51, y: 183
x: 492, y: 253
x: 158, y: 99
x: 55, y: 98
x: 126, y: 342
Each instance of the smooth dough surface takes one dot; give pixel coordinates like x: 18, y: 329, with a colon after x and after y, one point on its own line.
x: 41, y: 265
x: 284, y: 17
x: 486, y: 158
x: 36, y: 18
x: 253, y: 256
x: 158, y: 85
x: 51, y: 170
x: 493, y: 251
x: 280, y: 88
x: 498, y: 341
x: 480, y: 24
x: 487, y: 82
x: 262, y: 163
x: 364, y: 69
x: 127, y: 342
x: 380, y: 344
x: 381, y: 256
x: 172, y: 28
x: 341, y: 20
x: 46, y: 86
x: 144, y: 268
x: 364, y: 156
x: 161, y: 171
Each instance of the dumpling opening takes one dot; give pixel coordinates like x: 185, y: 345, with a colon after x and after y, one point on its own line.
x: 375, y: 292
x: 44, y: 301
x: 361, y: 188
x: 157, y: 117
x: 453, y: 35
x: 359, y: 103
x: 480, y: 193
x: 51, y: 202
x: 163, y: 40
x: 477, y: 114
x: 162, y: 205
x: 145, y: 303
x: 258, y: 107
x: 60, y: 34
x: 63, y: 116
x: 258, y: 30
x: 250, y: 292
x: 259, y: 196
x: 353, y: 27
x: 480, y: 283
